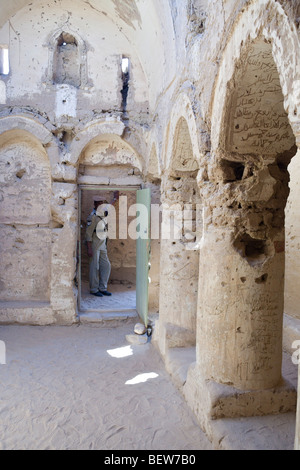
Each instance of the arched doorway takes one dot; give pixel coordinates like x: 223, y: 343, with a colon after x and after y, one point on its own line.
x: 110, y: 171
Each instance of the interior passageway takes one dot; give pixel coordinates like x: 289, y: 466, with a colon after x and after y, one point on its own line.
x: 121, y: 252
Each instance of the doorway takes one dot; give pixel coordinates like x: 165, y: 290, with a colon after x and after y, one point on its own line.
x: 128, y: 254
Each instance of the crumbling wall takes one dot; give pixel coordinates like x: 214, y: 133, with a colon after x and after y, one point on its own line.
x: 244, y: 187
x: 76, y: 68
x: 231, y: 105
x: 25, y: 219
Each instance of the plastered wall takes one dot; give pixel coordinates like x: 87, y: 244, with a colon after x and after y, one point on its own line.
x: 292, y: 224
x: 200, y: 73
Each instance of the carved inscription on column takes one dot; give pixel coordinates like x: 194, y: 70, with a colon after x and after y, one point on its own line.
x: 258, y: 121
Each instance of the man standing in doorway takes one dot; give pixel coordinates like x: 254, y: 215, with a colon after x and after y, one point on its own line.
x: 96, y: 238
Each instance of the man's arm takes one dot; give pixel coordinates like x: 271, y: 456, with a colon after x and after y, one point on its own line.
x: 89, y: 249
x: 89, y: 236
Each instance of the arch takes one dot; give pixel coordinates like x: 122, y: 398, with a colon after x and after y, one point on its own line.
x: 253, y: 139
x: 133, y: 21
x: 63, y: 42
x: 25, y: 217
x: 260, y: 18
x: 25, y: 168
x: 27, y: 124
x: 92, y: 131
x: 182, y: 123
x: 153, y: 163
x: 181, y: 197
x: 109, y: 150
x: 182, y: 154
x: 255, y: 119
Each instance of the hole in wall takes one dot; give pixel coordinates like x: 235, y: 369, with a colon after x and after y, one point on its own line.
x: 255, y: 251
x: 54, y: 224
x: 262, y: 279
x: 65, y: 137
x: 61, y: 201
x: 232, y: 171
x: 20, y: 173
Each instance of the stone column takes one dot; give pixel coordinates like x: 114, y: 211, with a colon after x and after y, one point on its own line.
x: 179, y: 267
x: 241, y: 287
x: 63, y: 263
x: 240, y: 309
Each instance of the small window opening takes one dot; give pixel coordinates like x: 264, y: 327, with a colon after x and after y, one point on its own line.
x: 125, y: 65
x: 4, y: 60
x: 67, y: 66
x: 125, y: 80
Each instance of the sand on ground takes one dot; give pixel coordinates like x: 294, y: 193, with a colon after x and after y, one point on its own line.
x: 84, y: 387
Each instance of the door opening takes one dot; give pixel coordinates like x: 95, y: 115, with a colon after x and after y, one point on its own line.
x: 126, y: 254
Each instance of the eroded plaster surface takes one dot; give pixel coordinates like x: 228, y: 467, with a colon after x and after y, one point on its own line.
x: 207, y: 116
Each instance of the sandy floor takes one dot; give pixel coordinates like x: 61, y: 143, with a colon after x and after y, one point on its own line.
x: 84, y: 387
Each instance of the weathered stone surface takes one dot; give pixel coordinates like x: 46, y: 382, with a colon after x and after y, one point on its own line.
x: 208, y: 116
x: 211, y: 400
x: 178, y: 337
x: 137, y: 339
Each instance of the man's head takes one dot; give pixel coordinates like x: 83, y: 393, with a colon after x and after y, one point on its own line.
x: 100, y: 206
x: 98, y: 200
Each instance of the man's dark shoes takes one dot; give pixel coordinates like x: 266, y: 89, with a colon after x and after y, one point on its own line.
x: 105, y: 292
x: 97, y: 294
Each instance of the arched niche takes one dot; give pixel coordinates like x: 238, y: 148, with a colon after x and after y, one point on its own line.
x: 25, y: 218
x: 258, y: 146
x: 183, y: 159
x: 183, y: 143
x: 25, y: 179
x: 153, y: 167
x: 256, y: 121
x: 110, y: 156
x: 270, y: 24
x: 182, y: 213
x: 67, y: 59
x: 179, y: 184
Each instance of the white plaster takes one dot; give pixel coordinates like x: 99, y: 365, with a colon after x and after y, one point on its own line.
x: 2, y: 92
x: 66, y: 101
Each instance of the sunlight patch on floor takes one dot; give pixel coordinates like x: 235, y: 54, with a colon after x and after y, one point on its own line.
x: 125, y: 351
x: 141, y: 378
